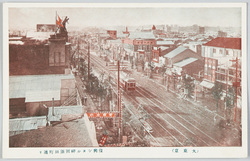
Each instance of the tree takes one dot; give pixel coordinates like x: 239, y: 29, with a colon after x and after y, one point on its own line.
x: 188, y: 84
x: 217, y: 93
x: 142, y: 64
x: 82, y: 67
x: 230, y: 99
x: 163, y: 70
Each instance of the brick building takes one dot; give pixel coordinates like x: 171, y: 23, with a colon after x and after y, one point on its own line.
x: 33, y: 56
x: 112, y: 33
x: 39, y: 73
x: 139, y: 45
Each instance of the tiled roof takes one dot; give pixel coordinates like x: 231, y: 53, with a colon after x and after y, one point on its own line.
x: 225, y: 42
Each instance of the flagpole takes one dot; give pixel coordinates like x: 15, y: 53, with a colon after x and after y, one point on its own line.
x: 56, y: 24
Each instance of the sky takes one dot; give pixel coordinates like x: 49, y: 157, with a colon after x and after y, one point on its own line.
x: 23, y: 18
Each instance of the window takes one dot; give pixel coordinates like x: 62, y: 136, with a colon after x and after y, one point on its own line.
x: 214, y: 50
x: 227, y: 52
x: 209, y: 72
x: 205, y: 70
x: 57, y: 57
x: 221, y: 51
x: 231, y: 72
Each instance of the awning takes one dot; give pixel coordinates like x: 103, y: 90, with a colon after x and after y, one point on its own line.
x: 207, y: 84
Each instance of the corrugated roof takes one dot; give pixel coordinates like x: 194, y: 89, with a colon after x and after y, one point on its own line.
x: 68, y: 134
x: 185, y: 62
x: 175, y: 52
x: 36, y: 85
x: 27, y: 123
x: 141, y: 35
x: 225, y: 42
x: 165, y: 43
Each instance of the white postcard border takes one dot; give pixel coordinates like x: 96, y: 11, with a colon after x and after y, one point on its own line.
x: 131, y: 152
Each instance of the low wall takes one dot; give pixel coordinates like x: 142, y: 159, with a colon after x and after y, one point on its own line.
x: 20, y: 125
x: 91, y: 130
x: 60, y: 111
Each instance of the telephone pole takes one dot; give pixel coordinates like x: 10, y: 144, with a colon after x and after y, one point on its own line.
x: 118, y: 99
x: 78, y: 60
x: 236, y: 84
x: 88, y: 63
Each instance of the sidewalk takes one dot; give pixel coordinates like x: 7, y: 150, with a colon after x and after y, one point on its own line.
x: 90, y: 106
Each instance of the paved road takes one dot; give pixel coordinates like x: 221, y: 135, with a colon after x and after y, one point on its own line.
x: 175, y: 122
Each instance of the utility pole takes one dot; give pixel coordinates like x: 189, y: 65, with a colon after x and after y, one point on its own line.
x: 174, y: 75
x: 226, y: 87
x: 53, y: 112
x: 78, y: 60
x: 118, y: 99
x: 236, y: 84
x: 195, y: 83
x: 88, y: 63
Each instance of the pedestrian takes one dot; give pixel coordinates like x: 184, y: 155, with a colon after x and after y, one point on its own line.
x: 215, y: 118
x: 85, y: 100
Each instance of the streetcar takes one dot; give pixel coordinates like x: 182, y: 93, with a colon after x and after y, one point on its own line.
x: 128, y: 84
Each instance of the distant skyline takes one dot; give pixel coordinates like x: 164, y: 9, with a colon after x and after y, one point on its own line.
x: 27, y: 18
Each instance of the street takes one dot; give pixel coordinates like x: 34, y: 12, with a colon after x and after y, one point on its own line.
x: 175, y: 121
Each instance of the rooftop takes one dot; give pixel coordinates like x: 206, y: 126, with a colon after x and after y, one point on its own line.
x: 175, y: 52
x: 185, y: 62
x: 163, y: 48
x: 67, y: 134
x: 164, y: 43
x: 225, y: 42
x: 36, y: 87
x: 39, y: 35
x: 16, y: 42
x: 141, y: 35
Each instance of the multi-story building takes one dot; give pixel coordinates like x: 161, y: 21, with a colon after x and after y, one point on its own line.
x: 39, y: 72
x: 140, y: 44
x: 218, y: 54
